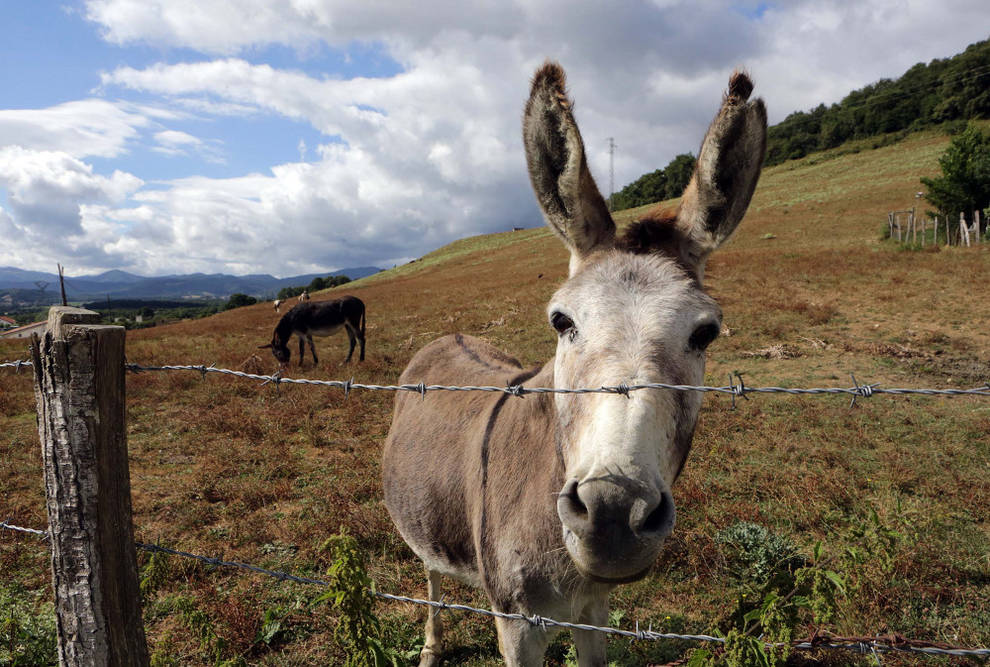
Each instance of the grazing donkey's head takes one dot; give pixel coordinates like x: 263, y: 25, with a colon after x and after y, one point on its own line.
x: 633, y: 311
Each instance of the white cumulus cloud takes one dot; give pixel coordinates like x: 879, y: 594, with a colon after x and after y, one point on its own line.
x: 398, y: 164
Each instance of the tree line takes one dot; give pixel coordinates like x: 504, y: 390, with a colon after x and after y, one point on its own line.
x: 661, y: 184
x: 944, y: 90
x: 951, y: 90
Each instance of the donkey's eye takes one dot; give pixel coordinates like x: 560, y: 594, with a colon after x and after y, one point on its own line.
x: 561, y: 323
x: 703, y: 336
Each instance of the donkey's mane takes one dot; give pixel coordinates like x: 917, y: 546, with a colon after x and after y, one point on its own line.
x: 658, y: 233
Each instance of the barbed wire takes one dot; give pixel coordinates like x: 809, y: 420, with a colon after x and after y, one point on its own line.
x: 736, y: 386
x: 865, y: 644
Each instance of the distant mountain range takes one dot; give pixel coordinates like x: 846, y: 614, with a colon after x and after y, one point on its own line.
x: 18, y: 286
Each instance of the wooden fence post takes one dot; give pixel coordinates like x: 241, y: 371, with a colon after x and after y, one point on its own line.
x: 935, y: 222
x: 79, y: 388
x: 976, y: 225
x: 963, y: 229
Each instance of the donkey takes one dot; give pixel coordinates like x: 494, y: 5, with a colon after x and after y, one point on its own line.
x: 550, y: 501
x: 318, y: 318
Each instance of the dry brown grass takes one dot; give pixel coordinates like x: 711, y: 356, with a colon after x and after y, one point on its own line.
x: 223, y: 466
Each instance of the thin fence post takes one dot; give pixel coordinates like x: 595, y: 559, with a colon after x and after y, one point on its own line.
x: 79, y: 389
x: 963, y: 229
x: 976, y: 225
x: 935, y: 222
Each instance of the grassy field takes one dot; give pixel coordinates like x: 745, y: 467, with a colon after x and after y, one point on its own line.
x: 896, y: 489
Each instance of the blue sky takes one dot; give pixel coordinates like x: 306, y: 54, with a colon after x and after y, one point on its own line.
x: 172, y: 136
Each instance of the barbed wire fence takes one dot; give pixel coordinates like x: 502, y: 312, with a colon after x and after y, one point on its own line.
x: 735, y: 388
x: 880, y: 643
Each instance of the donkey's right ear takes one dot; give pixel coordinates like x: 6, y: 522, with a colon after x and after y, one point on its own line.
x: 572, y: 205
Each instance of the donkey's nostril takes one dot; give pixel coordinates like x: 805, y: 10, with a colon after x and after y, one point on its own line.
x: 661, y: 519
x: 569, y: 497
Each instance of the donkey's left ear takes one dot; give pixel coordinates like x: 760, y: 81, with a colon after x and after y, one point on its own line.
x: 728, y: 168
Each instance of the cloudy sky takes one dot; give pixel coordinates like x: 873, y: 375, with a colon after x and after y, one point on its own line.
x: 299, y: 136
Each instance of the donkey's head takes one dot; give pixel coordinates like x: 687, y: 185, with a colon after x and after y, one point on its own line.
x: 279, y: 346
x: 632, y: 311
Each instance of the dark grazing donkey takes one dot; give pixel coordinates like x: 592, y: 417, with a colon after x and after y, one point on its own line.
x: 318, y: 318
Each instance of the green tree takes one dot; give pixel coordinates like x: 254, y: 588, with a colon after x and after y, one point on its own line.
x: 964, y: 185
x: 678, y: 174
x: 237, y: 300
x: 289, y: 292
x: 317, y: 283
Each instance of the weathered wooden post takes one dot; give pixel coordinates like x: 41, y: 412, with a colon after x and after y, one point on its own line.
x: 963, y: 229
x: 976, y: 225
x: 935, y: 222
x: 79, y: 387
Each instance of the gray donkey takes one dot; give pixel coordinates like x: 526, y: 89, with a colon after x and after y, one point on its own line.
x: 548, y: 502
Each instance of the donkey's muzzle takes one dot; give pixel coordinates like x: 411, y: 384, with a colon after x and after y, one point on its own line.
x: 614, y: 527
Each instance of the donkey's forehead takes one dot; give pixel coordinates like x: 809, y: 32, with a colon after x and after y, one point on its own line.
x: 611, y: 274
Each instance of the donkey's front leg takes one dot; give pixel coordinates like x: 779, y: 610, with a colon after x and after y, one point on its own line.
x: 433, y: 645
x: 521, y: 644
x: 590, y: 644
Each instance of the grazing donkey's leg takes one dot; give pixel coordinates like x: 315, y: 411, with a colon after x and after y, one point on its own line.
x: 433, y: 645
x: 361, y: 333
x: 312, y: 348
x: 302, y: 349
x: 353, y: 341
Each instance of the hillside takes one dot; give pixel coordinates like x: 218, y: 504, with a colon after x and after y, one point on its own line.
x: 895, y: 488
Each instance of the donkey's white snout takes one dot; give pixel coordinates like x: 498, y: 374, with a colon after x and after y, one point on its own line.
x: 613, y: 529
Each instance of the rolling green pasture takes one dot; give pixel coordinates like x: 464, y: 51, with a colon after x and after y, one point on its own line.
x: 895, y: 489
